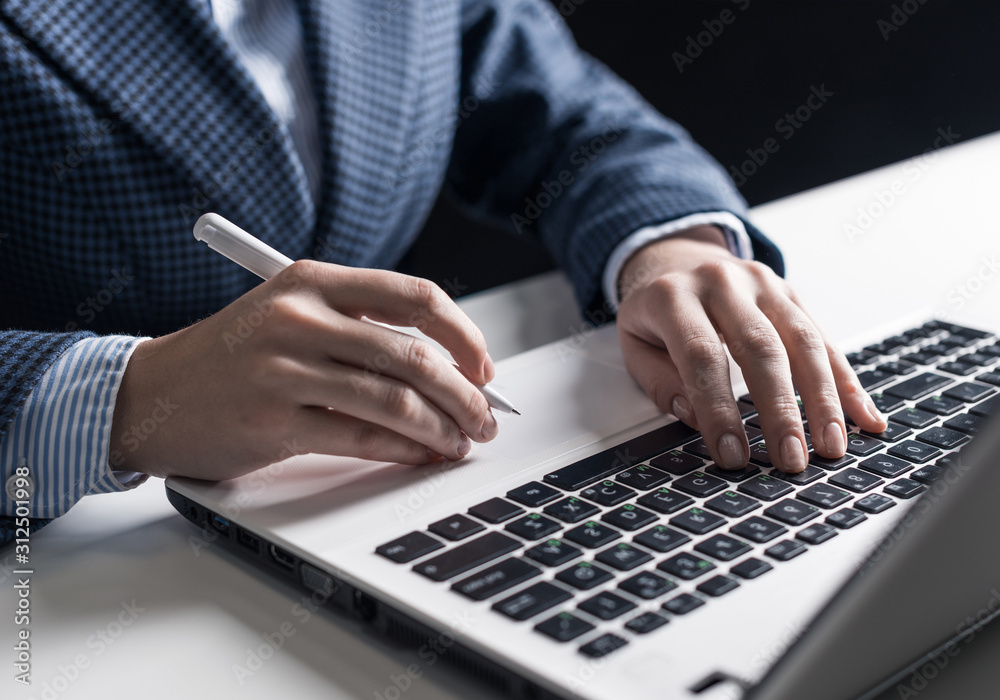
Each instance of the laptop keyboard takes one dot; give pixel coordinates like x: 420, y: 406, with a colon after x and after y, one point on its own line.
x: 651, y: 529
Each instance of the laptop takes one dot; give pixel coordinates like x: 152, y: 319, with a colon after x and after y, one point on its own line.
x: 593, y: 550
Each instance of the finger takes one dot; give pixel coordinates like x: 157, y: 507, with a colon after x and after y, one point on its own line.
x: 759, y: 351
x: 402, y: 300
x: 380, y: 351
x: 683, y: 328
x: 656, y: 373
x: 323, y: 431
x: 383, y: 401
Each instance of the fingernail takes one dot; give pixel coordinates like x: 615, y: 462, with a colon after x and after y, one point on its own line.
x: 835, y: 439
x: 681, y: 408
x: 874, y: 412
x: 464, y: 445
x: 731, y: 451
x: 792, y: 456
x: 490, y: 427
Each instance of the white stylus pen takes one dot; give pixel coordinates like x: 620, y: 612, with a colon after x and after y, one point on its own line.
x: 225, y: 237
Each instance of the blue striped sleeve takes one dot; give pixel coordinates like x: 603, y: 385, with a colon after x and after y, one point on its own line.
x: 62, y: 435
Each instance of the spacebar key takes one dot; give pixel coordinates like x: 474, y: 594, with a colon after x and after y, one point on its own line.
x: 919, y: 386
x: 469, y: 555
x: 627, y: 454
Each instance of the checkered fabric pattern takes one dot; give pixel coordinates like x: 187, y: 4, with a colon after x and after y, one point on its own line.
x: 121, y: 122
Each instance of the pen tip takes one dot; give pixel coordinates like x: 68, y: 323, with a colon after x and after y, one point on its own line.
x: 515, y: 411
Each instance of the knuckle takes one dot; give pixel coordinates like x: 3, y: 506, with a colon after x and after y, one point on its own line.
x: 719, y: 272
x: 419, y: 358
x: 703, y: 351
x: 400, y: 401
x: 762, y: 343
x: 367, y: 440
x: 427, y: 294
x: 804, y: 336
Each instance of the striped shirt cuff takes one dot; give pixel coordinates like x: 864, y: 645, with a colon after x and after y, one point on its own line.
x: 62, y: 434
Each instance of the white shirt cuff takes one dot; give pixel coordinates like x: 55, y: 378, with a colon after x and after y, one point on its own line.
x: 736, y: 236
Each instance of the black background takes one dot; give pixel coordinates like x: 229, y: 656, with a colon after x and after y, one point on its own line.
x: 891, y: 95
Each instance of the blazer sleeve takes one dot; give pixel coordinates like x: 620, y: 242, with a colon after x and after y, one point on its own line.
x: 551, y: 143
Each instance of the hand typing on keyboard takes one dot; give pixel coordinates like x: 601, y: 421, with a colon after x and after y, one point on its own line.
x: 685, y: 297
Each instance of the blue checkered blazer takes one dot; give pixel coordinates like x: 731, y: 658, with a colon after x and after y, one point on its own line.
x: 122, y: 121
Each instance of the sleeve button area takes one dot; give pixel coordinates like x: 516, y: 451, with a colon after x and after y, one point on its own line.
x: 11, y: 487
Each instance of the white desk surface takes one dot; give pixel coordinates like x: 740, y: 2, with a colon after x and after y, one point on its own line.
x: 197, y: 615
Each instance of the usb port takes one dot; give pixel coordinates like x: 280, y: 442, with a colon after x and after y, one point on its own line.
x: 220, y: 524
x: 248, y: 540
x: 282, y: 557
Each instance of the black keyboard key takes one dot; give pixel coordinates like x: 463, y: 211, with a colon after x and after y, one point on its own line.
x: 606, y: 606
x: 698, y: 448
x: 564, y: 627
x: 532, y: 600
x: 570, y: 510
x: 592, y: 534
x: 920, y: 358
x: 969, y: 392
x: 496, y: 579
x: 647, y: 585
x: 823, y: 495
x: 753, y: 434
x: 629, y: 517
x: 646, y: 623
x: 913, y: 417
x: 862, y: 446
x: 919, y: 386
x: 874, y: 503
x: 718, y: 585
x: 965, y: 423
x: 937, y: 350
x: 456, y: 527
x: 733, y: 475
x: 806, y: 476
x: 973, y: 334
x: 751, y: 568
x: 758, y: 529
x: 957, y: 341
x: 745, y: 408
x: 785, y: 550
x: 697, y: 521
x: 699, y: 484
x: 886, y: 465
x: 623, y: 557
x: 602, y: 646
x: 683, y: 604
x: 661, y: 538
x: 665, y: 501
x: 495, y: 510
x: 765, y: 487
x: 409, y: 547
x: 534, y: 494
x: 584, y: 575
x: 759, y: 455
x: 723, y: 547
x: 905, y: 488
x: 533, y: 526
x: 554, y: 552
x: 861, y: 358
x: 885, y: 402
x: 990, y: 378
x: 979, y: 359
x: 792, y: 512
x: 686, y: 566
x: 986, y: 408
x: 855, y: 480
x: 892, y: 433
x: 846, y: 518
x: 643, y: 477
x: 831, y: 464
x: 467, y: 556
x: 939, y: 405
x: 945, y: 438
x: 733, y: 504
x: 608, y: 493
x: 900, y: 368
x: 677, y: 463
x: 914, y: 451
x: 817, y: 533
x: 874, y: 378
x: 928, y: 474
x: 614, y: 459
x: 960, y: 368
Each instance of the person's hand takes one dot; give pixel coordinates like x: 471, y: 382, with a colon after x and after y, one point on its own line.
x: 685, y: 297
x: 290, y: 367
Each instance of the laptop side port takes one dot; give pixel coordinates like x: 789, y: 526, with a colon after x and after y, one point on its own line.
x: 282, y: 558
x: 248, y: 540
x: 219, y: 524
